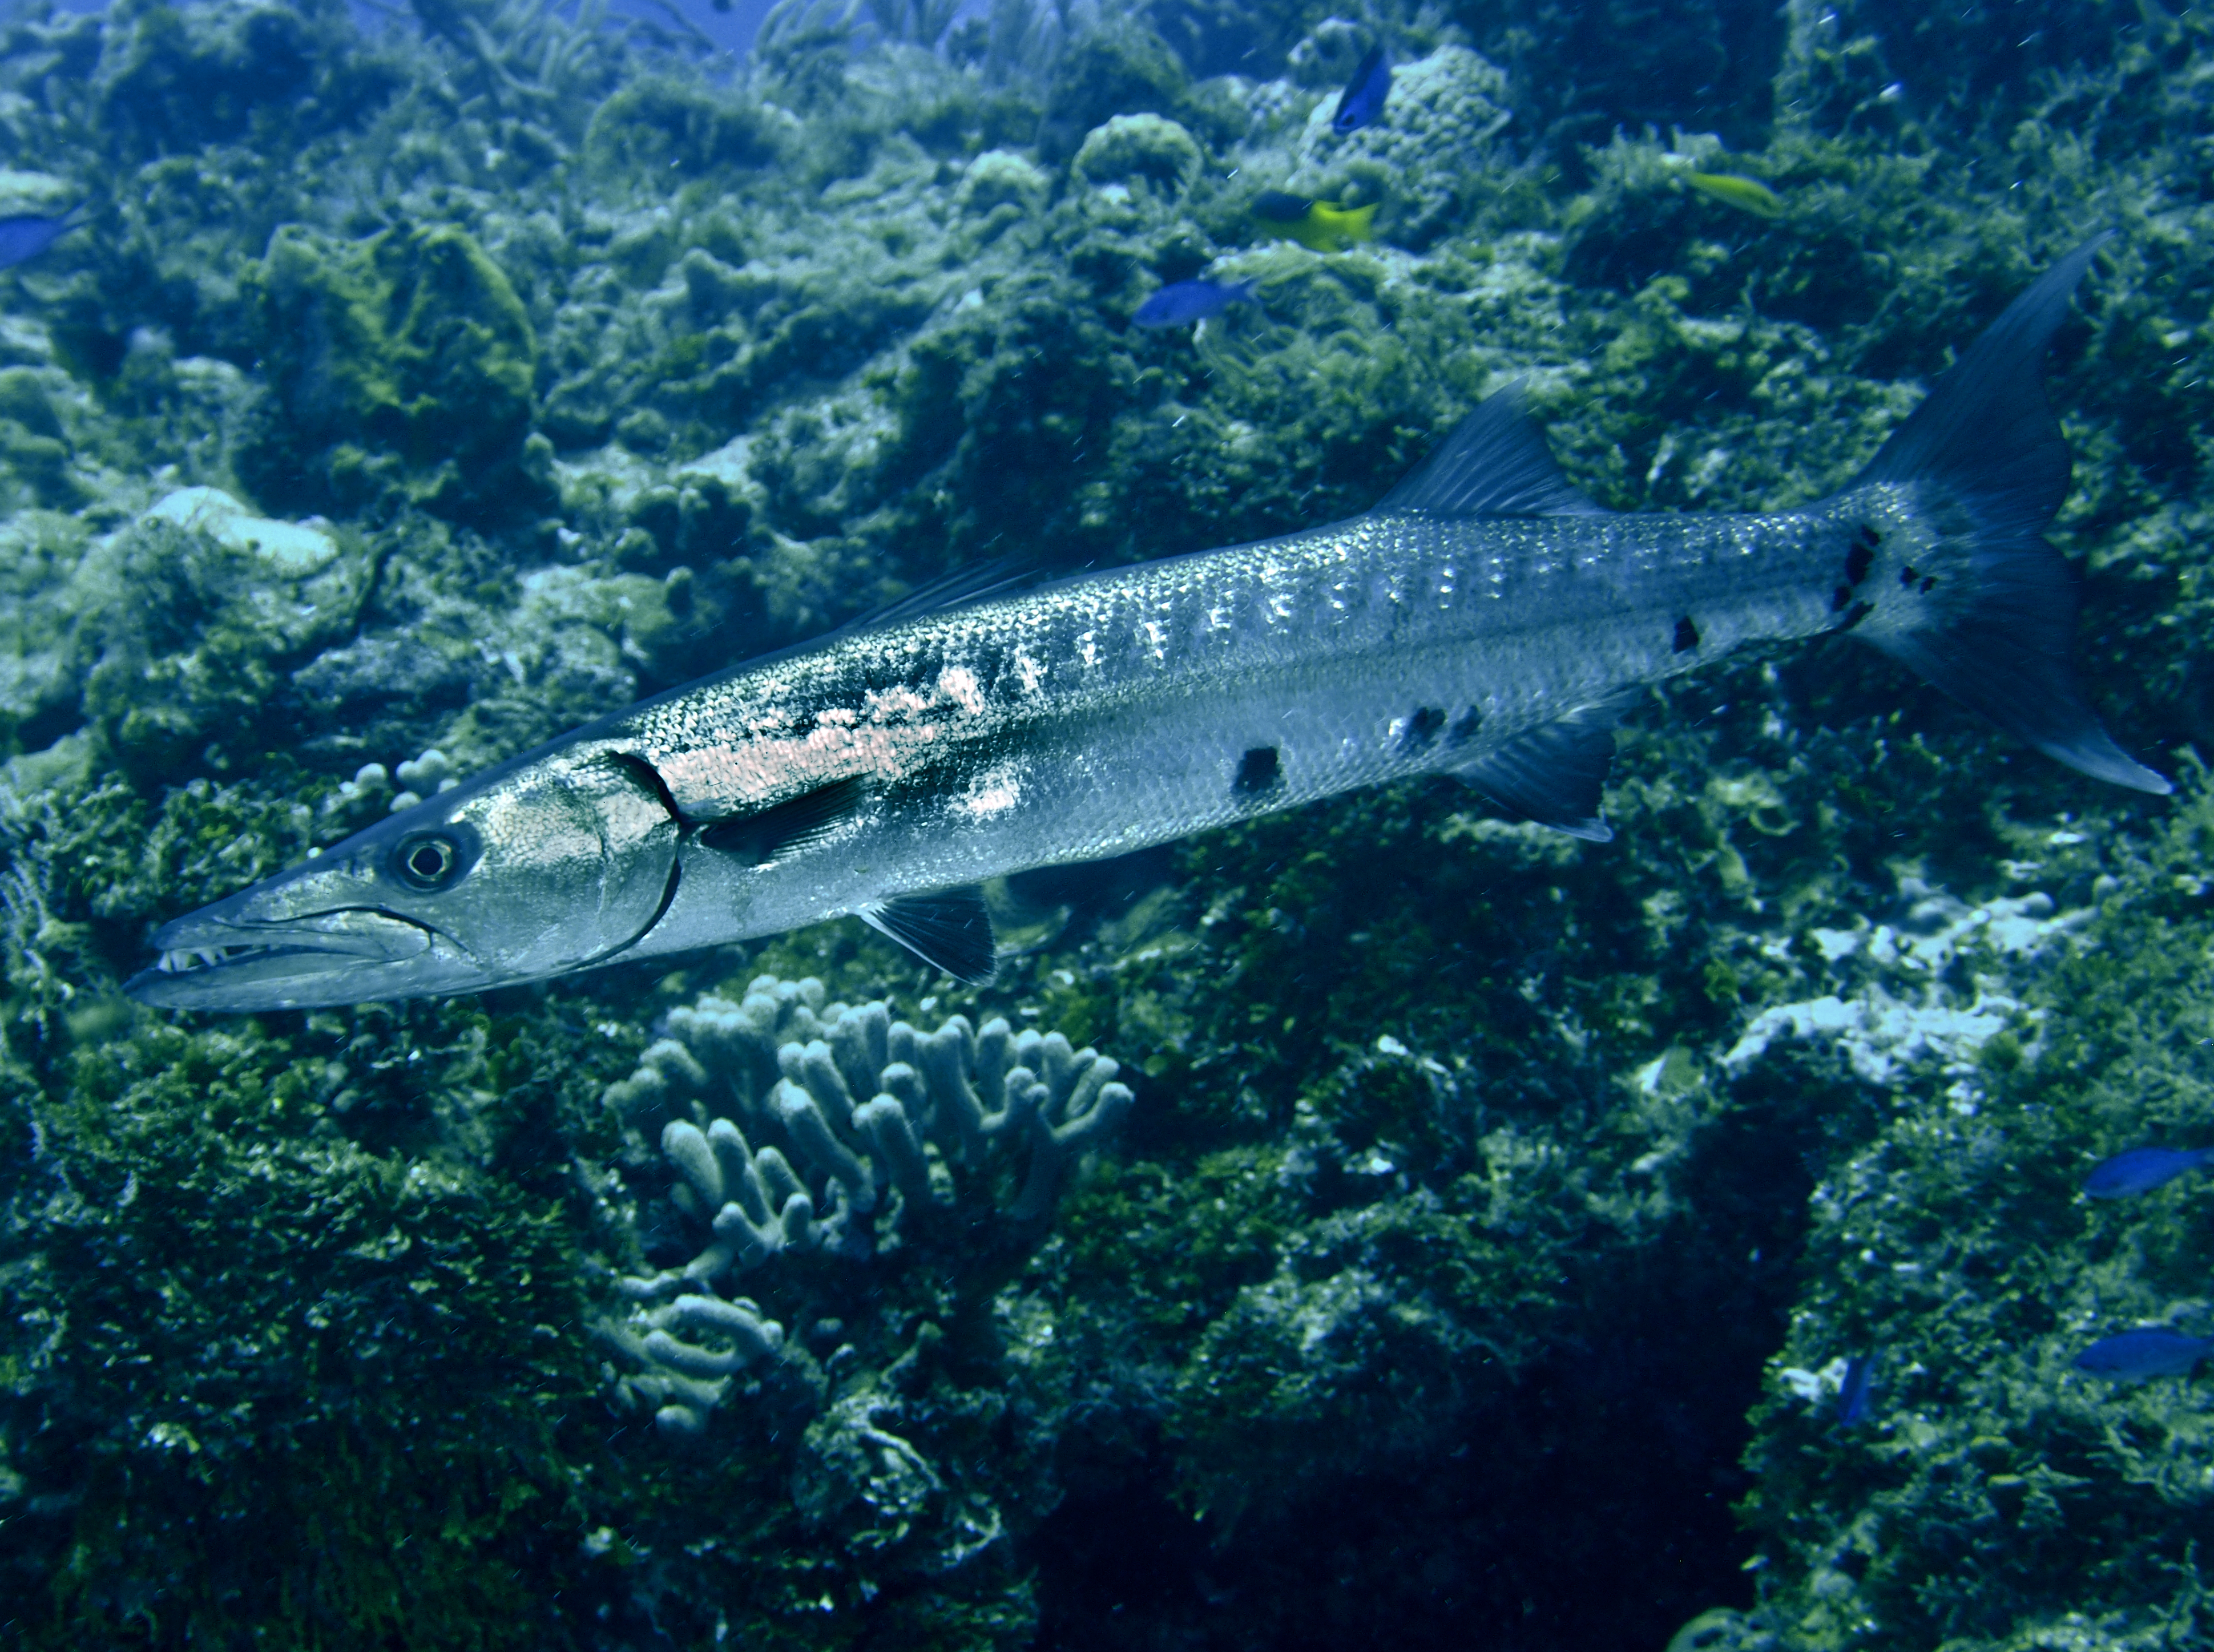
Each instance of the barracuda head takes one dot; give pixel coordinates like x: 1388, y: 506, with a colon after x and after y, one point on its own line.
x: 553, y: 864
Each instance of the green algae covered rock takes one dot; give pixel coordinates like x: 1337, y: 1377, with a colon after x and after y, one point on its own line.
x: 1958, y: 1249
x: 662, y: 125
x: 230, y: 1313
x: 1121, y: 68
x: 415, y: 341
x: 1145, y: 146
x: 169, y: 636
x: 171, y: 79
x: 31, y: 439
x: 1497, y: 1217
x: 1427, y: 159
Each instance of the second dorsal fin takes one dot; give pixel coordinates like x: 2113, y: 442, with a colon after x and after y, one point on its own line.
x: 1495, y: 463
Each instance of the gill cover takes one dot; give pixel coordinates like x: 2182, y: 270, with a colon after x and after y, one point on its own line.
x: 551, y: 864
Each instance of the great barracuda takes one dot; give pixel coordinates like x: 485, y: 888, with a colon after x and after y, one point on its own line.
x: 1485, y: 620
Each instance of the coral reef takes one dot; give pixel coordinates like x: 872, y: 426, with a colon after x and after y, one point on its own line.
x: 1427, y: 159
x: 1502, y: 1213
x: 948, y: 1112
x: 415, y: 340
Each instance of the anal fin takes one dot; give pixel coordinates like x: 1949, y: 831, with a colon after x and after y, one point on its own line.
x: 947, y: 928
x: 1553, y: 774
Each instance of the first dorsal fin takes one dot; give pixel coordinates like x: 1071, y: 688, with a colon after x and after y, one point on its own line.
x: 948, y: 930
x: 1495, y: 463
x: 960, y: 588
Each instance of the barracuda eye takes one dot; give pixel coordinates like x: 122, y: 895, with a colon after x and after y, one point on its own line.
x: 430, y: 861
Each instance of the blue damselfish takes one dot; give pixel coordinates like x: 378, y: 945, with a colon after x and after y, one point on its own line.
x: 27, y: 235
x: 1192, y: 301
x: 2136, y: 1355
x: 2143, y: 1168
x: 1361, y: 103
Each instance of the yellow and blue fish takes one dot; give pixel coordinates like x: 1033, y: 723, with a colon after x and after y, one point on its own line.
x: 1319, y: 225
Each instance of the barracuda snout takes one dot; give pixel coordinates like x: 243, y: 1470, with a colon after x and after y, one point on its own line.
x: 555, y: 863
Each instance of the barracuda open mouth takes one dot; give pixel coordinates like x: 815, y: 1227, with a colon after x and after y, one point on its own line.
x: 327, y: 958
x: 182, y: 961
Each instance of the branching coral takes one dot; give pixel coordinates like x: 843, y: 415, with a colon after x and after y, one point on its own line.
x: 526, y: 57
x: 1019, y: 37
x: 949, y: 1115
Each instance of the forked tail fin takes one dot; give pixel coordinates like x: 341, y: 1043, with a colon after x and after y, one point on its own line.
x: 1985, y: 445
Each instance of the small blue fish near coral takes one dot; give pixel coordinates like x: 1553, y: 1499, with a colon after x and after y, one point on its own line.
x: 1361, y: 103
x: 1855, y: 1392
x: 27, y: 235
x: 2143, y: 1168
x: 1192, y: 301
x: 2136, y: 1355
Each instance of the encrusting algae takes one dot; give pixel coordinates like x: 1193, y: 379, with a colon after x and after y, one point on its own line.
x: 1721, y: 1210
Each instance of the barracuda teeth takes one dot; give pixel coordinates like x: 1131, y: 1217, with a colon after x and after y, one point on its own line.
x: 183, y: 961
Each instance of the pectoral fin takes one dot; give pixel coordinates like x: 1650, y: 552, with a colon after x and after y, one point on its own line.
x: 1554, y: 773
x: 947, y: 928
x: 782, y: 829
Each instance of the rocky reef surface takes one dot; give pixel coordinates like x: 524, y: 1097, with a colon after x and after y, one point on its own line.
x: 1481, y: 1227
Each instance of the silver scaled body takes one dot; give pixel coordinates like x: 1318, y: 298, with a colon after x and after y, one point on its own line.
x: 1112, y: 712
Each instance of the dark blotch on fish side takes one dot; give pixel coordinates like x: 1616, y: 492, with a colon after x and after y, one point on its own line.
x: 1859, y: 611
x: 1687, y: 635
x: 1471, y: 721
x: 1907, y: 577
x: 2142, y: 1169
x: 1859, y: 560
x: 1841, y: 599
x: 1260, y: 771
x: 1422, y: 726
